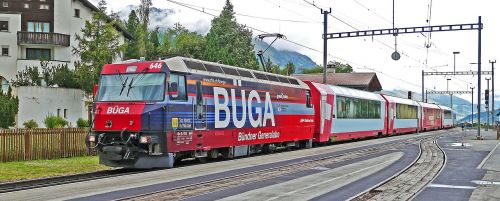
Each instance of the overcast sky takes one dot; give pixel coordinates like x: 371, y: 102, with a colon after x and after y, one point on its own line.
x: 302, y: 23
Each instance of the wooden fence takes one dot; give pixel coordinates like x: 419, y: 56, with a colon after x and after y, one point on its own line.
x: 32, y: 144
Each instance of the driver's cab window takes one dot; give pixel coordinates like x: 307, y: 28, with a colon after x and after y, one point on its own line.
x: 177, y: 87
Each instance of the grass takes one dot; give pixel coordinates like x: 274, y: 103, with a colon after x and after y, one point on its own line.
x: 35, y: 169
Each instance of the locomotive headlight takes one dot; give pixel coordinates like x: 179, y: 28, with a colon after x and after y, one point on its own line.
x: 91, y: 138
x: 145, y: 139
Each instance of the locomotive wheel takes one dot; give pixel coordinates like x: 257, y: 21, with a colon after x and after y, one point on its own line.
x: 269, y: 148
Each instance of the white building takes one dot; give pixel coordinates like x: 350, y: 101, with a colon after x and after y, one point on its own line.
x: 31, y: 30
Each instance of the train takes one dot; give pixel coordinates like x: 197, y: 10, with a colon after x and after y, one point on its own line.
x: 152, y: 114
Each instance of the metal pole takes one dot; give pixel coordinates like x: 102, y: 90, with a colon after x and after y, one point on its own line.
x: 487, y: 105
x: 479, y: 80
x: 325, y: 31
x: 472, y: 107
x: 452, y: 116
x: 493, y: 92
x: 426, y: 95
x: 451, y: 98
x: 454, y: 61
x: 423, y: 86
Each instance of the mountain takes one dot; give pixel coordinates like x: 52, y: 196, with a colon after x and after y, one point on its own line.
x: 165, y: 18
x: 282, y: 57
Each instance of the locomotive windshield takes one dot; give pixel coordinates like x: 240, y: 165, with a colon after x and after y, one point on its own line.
x: 132, y: 87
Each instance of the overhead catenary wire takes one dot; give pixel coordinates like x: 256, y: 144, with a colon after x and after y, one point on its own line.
x: 353, y: 27
x: 250, y: 16
x: 296, y: 43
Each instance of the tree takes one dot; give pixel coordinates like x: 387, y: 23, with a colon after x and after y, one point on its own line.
x: 142, y: 31
x: 178, y: 41
x: 339, y: 68
x: 59, y: 75
x: 30, y: 76
x: 229, y: 42
x: 9, y: 106
x: 132, y: 25
x: 289, y: 68
x: 153, y: 44
x: 98, y: 44
x: 317, y: 69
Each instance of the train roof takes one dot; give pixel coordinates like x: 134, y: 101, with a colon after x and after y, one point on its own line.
x: 188, y: 65
x: 445, y: 107
x: 429, y: 105
x: 355, y: 93
x: 400, y: 100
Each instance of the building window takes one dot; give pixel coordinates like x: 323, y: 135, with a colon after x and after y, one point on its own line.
x: 44, y: 6
x: 37, y: 54
x: 77, y: 12
x: 27, y: 5
x: 65, y: 113
x: 5, y: 4
x: 58, y: 112
x: 4, y: 25
x: 39, y: 27
x: 4, y: 84
x: 5, y: 51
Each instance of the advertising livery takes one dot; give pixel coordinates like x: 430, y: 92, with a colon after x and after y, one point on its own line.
x: 148, y: 114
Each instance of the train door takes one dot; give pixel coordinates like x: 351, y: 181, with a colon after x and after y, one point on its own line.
x: 393, y: 116
x: 200, y: 108
x: 326, y: 114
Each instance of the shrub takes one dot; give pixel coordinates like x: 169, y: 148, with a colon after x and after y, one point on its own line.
x: 9, y: 106
x: 30, y: 124
x: 82, y: 123
x: 54, y: 122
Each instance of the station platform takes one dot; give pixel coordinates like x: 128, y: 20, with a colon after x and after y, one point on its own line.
x: 472, y: 169
x: 489, y: 186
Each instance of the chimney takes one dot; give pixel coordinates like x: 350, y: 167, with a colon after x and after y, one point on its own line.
x: 330, y: 68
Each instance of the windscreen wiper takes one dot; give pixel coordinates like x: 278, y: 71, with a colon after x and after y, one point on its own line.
x: 124, y: 84
x: 131, y: 84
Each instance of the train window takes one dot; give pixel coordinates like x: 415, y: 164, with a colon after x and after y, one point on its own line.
x: 199, y: 93
x: 283, y: 79
x: 341, y: 107
x: 273, y: 78
x: 260, y: 76
x: 195, y: 65
x: 213, y: 68
x: 447, y: 114
x: 308, y: 99
x: 355, y: 108
x: 177, y: 87
x: 404, y: 111
x: 245, y: 73
x: 230, y: 71
x: 294, y: 81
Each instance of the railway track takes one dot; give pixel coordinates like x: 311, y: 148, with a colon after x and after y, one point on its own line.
x: 408, y: 183
x: 197, y: 189
x: 39, y: 183
x: 258, y: 175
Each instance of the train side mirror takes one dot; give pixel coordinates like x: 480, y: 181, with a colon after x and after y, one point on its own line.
x: 96, y: 87
x: 173, y: 90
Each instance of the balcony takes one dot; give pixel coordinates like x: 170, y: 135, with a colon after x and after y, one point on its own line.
x: 41, y: 38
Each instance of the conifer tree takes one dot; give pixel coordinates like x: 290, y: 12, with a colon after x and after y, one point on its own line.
x: 229, y: 42
x: 98, y: 42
